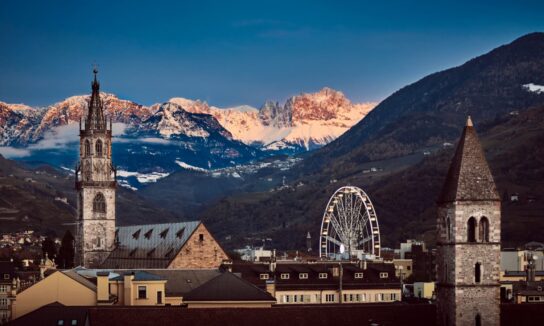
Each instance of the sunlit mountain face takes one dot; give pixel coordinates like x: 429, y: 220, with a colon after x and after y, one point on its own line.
x: 154, y: 141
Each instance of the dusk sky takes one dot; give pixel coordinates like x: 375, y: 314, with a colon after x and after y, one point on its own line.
x: 243, y: 52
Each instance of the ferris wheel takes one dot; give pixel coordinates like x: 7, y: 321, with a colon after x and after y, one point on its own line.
x: 350, y: 226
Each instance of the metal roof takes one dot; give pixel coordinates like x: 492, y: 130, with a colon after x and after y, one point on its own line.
x: 149, y: 245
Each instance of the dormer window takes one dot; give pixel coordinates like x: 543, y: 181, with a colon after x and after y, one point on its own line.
x: 179, y: 234
x: 164, y: 233
x: 358, y: 275
x: 147, y: 235
x: 284, y: 276
x: 136, y: 234
x: 150, y: 252
x: 384, y: 275
x: 303, y: 276
x: 169, y: 252
x: 264, y: 276
x: 323, y: 275
x: 133, y: 252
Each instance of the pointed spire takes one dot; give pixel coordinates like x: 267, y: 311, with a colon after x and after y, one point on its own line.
x: 95, y: 117
x: 469, y: 122
x: 469, y: 177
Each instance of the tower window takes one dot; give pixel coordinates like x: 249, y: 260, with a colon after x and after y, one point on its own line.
x: 98, y: 148
x: 484, y: 229
x: 471, y: 230
x: 201, y: 237
x: 477, y: 272
x: 99, y: 203
x: 87, y: 148
x: 478, y: 320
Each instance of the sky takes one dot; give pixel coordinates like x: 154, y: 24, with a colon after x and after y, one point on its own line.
x: 243, y: 52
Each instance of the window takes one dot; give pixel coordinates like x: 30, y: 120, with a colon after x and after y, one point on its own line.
x: 201, y: 237
x: 3, y: 302
x: 286, y: 298
x: 377, y: 297
x: 87, y: 148
x: 164, y: 233
x: 330, y: 297
x: 484, y: 229
x: 478, y: 320
x: 3, y: 288
x: 358, y: 275
x: 98, y: 148
x: 6, y: 276
x: 148, y: 234
x: 284, y: 276
x: 384, y: 275
x: 471, y: 230
x: 363, y: 297
x: 142, y: 292
x: 98, y: 242
x: 74, y: 322
x: 159, y: 297
x: 303, y: 276
x: 179, y: 234
x: 477, y: 272
x: 264, y: 276
x: 322, y: 275
x: 60, y: 322
x: 99, y: 203
x: 136, y: 234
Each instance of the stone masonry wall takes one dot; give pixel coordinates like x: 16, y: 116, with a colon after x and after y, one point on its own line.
x: 199, y: 254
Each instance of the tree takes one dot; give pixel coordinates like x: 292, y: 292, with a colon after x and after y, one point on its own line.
x: 66, y: 251
x: 49, y: 248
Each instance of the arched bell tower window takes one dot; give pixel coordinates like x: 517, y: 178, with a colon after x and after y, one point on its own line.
x: 478, y: 272
x: 99, y: 203
x: 484, y: 229
x: 87, y: 147
x: 471, y: 230
x: 98, y: 148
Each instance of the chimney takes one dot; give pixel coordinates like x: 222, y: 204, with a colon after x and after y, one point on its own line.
x: 127, y: 287
x: 102, y: 287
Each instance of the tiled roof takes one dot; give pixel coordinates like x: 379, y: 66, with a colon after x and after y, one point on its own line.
x: 178, y: 281
x: 149, y: 246
x: 228, y: 287
x: 51, y: 314
x: 371, y: 275
x: 140, y: 276
x: 469, y: 176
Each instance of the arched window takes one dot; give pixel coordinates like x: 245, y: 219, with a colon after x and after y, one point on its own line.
x: 87, y: 148
x: 448, y: 228
x: 99, y: 203
x: 98, y: 148
x: 478, y: 272
x: 484, y: 229
x: 471, y: 230
x: 478, y: 320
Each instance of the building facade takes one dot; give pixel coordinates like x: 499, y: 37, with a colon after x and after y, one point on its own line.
x: 468, y: 239
x: 95, y: 184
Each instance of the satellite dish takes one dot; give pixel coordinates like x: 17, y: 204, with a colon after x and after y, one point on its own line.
x: 342, y: 248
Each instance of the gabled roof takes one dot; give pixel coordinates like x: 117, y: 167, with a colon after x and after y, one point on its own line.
x: 51, y: 314
x: 80, y: 279
x: 228, y: 287
x: 469, y: 177
x: 149, y: 245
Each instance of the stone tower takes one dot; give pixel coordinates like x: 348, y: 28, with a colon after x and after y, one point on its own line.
x: 95, y: 184
x: 468, y: 239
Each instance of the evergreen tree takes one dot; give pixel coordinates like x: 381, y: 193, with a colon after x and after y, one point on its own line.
x: 49, y: 248
x: 66, y: 251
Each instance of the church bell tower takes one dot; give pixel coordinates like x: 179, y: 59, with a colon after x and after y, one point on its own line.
x: 95, y: 185
x: 468, y: 239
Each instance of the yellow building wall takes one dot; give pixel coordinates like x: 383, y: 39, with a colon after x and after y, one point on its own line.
x: 152, y: 287
x: 55, y: 288
x: 317, y: 296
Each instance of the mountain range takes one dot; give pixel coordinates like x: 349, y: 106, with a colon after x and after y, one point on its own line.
x: 398, y: 153
x: 154, y: 141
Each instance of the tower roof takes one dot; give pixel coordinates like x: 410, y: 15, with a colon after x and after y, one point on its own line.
x: 95, y: 116
x: 469, y: 177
